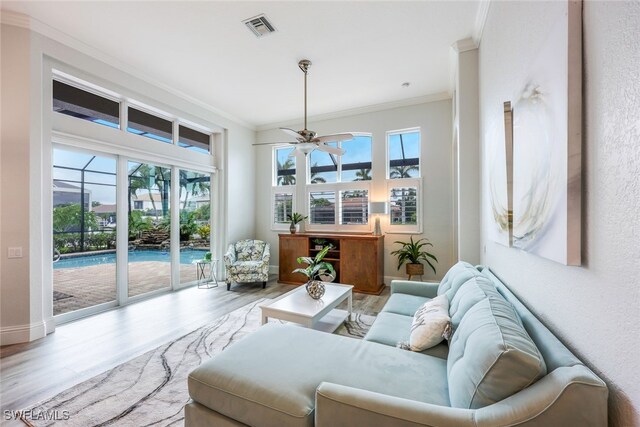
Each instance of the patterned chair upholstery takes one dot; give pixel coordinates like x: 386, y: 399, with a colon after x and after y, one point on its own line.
x: 247, y: 261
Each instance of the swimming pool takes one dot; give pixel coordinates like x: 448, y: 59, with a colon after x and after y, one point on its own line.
x: 186, y: 257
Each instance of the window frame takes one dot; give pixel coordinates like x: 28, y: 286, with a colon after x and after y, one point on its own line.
x: 339, y: 165
x: 406, y: 228
x: 125, y: 103
x: 338, y: 188
x: 281, y: 189
x: 388, y: 157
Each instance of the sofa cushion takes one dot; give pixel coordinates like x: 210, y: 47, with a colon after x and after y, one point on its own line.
x: 404, y: 304
x: 470, y: 293
x: 429, y: 324
x: 249, y: 250
x: 455, y: 277
x: 269, y: 378
x: 491, y: 356
x: 392, y: 329
x: 246, y: 267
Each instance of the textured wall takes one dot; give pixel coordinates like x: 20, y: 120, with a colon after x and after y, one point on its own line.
x: 595, y: 308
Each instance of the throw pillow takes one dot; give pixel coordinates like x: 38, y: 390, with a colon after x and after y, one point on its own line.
x: 429, y: 324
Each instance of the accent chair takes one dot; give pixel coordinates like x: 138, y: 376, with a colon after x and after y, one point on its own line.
x: 247, y: 261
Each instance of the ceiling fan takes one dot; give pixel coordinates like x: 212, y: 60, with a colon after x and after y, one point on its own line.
x: 308, y: 140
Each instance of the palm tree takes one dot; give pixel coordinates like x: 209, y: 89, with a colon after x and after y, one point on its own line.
x: 286, y: 179
x: 314, y: 178
x: 197, y: 185
x: 162, y: 181
x: 363, y: 175
x: 403, y: 171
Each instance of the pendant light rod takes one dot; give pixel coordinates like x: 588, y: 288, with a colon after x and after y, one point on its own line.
x: 304, y: 66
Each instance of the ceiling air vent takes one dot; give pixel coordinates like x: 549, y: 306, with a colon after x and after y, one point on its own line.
x: 259, y: 25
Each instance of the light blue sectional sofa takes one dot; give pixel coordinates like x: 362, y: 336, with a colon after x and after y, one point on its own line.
x: 502, y: 368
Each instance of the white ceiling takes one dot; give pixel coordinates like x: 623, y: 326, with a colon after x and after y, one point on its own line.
x: 361, y: 51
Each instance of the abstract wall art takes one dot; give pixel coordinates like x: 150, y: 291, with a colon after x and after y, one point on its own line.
x: 547, y: 121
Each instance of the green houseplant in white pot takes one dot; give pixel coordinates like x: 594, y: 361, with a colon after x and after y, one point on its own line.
x: 295, y: 218
x: 316, y: 268
x: 412, y: 253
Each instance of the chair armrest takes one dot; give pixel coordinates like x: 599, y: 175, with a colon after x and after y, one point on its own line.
x: 266, y: 255
x: 230, y: 256
x: 420, y: 289
x: 342, y: 406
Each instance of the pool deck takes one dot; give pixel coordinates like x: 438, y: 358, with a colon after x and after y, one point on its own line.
x: 88, y: 286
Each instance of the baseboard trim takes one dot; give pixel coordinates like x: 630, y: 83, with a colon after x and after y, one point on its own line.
x: 22, y: 333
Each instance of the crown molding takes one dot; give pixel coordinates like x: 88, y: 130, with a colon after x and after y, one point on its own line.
x: 464, y: 45
x: 15, y: 19
x: 481, y: 19
x: 9, y: 17
x: 441, y: 96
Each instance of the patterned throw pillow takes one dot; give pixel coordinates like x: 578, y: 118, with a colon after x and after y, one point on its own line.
x: 429, y: 324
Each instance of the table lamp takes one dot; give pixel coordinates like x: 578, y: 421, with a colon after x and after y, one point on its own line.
x: 377, y: 209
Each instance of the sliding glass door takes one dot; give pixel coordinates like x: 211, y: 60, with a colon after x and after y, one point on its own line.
x: 195, y: 222
x: 149, y: 219
x: 87, y: 276
x: 84, y: 230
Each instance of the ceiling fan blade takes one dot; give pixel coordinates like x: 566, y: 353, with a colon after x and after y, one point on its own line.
x: 334, y: 138
x: 292, y: 133
x: 331, y: 150
x: 276, y: 143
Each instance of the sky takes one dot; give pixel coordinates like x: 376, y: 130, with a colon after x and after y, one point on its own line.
x: 76, y: 159
x: 359, y: 150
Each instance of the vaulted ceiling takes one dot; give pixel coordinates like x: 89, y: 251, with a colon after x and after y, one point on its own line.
x: 362, y: 52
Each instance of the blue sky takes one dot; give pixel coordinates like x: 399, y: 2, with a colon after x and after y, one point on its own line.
x: 100, y: 193
x: 411, y: 145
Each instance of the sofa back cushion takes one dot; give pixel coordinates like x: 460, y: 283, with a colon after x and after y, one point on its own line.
x: 455, y: 277
x: 249, y: 250
x: 469, y: 294
x: 491, y: 356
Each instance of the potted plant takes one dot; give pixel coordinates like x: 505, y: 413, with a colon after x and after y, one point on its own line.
x: 319, y: 243
x: 295, y: 218
x: 316, y: 268
x: 412, y: 253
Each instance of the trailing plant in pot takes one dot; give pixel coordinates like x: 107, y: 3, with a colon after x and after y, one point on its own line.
x: 412, y: 253
x: 295, y: 218
x: 316, y: 268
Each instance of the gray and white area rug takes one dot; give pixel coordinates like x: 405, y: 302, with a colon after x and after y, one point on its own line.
x: 151, y: 389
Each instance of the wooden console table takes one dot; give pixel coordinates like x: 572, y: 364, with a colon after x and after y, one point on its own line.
x: 357, y: 258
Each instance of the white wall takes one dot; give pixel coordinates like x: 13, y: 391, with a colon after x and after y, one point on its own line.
x: 14, y: 183
x: 25, y: 287
x: 435, y: 120
x: 595, y: 308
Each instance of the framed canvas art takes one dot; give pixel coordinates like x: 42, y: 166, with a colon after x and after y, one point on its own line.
x: 547, y: 140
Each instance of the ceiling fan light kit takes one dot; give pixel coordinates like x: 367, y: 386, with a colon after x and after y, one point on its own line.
x: 308, y: 140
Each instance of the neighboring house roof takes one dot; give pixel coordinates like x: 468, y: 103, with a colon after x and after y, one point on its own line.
x: 146, y: 198
x: 62, y: 184
x: 104, y: 208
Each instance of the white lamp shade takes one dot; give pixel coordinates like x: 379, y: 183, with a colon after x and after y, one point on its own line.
x: 378, y: 208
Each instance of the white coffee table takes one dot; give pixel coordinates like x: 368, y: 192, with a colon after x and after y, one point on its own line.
x: 298, y: 307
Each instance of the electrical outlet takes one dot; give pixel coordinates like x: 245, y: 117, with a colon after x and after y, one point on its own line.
x: 15, y: 252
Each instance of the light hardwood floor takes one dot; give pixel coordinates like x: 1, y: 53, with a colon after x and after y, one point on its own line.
x: 79, y: 350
